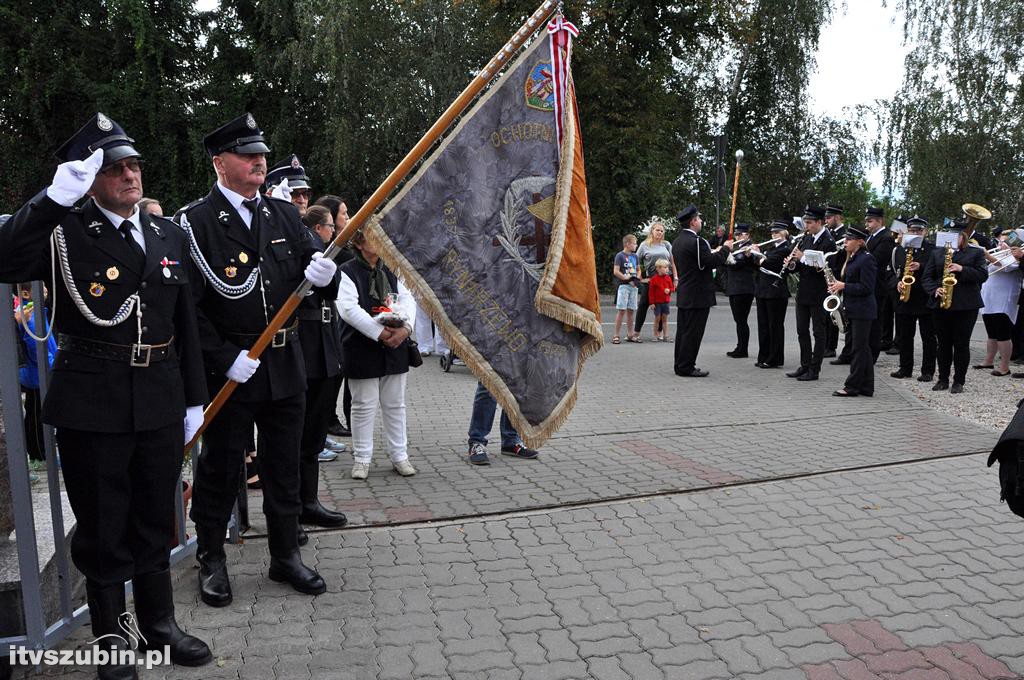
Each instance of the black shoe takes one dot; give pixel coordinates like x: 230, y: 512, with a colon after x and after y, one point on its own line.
x: 925, y: 377
x: 313, y: 513
x: 808, y: 376
x: 695, y: 373
x: 893, y: 351
x: 957, y: 388
x: 301, y: 536
x: 761, y: 364
x: 736, y: 354
x: 844, y: 393
x: 286, y: 561
x: 154, y: 607
x: 214, y: 584
x: 940, y: 386
x: 840, y: 362
x: 901, y: 374
x: 339, y: 430
x: 107, y: 610
x: 829, y: 353
x: 797, y: 373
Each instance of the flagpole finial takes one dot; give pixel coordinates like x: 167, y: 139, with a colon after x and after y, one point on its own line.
x: 739, y: 155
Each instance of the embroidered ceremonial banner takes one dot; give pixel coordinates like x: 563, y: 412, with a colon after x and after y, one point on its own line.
x: 493, y: 236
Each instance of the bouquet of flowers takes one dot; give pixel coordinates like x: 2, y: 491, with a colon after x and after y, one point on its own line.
x: 391, y: 313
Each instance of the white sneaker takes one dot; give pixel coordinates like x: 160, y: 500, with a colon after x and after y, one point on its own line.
x: 404, y: 468
x: 360, y: 470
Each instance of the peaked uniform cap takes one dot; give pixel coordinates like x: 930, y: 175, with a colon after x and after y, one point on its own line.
x: 99, y: 133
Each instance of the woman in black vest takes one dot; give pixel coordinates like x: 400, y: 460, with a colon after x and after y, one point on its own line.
x: 376, y: 356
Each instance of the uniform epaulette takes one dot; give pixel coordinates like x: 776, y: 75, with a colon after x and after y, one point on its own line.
x: 198, y: 201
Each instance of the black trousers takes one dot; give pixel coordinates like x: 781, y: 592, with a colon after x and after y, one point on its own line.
x: 121, y: 488
x: 906, y: 326
x: 771, y: 330
x: 862, y: 372
x: 641, y: 307
x: 886, y: 315
x: 321, y: 404
x: 689, y: 335
x: 831, y: 337
x: 740, y: 306
x: 811, y: 319
x: 953, y: 330
x: 279, y: 426
x: 34, y: 444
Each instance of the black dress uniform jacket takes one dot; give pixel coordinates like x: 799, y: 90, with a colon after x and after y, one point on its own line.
x: 741, y: 275
x: 695, y: 264
x: 104, y: 395
x: 967, y: 291
x: 813, y: 289
x: 768, y: 286
x: 366, y: 358
x: 232, y: 250
x: 859, y: 292
x: 881, y: 246
x: 918, y: 302
x: 319, y: 331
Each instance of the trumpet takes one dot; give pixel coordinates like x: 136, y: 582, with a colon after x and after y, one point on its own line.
x: 732, y: 256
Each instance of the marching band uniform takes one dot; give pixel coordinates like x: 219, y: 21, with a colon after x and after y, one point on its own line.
x: 127, y: 388
x: 836, y: 262
x: 953, y: 326
x: 810, y: 316
x: 880, y: 245
x: 859, y: 274
x: 695, y: 264
x: 739, y: 286
x: 914, y: 313
x: 252, y: 256
x: 772, y: 295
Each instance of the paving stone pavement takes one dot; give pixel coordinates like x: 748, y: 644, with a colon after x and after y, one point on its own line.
x: 908, y: 570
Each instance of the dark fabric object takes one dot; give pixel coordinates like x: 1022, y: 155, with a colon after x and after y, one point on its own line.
x: 643, y: 303
x: 833, y: 209
x: 321, y: 401
x: 998, y: 326
x: 415, y: 358
x: 321, y: 342
x: 741, y: 274
x: 282, y: 251
x: 859, y: 275
x: 34, y: 444
x: 953, y: 329
x: 695, y: 265
x: 291, y: 169
x: 918, y: 302
x: 813, y: 288
x: 771, y: 330
x: 99, y: 133
x: 121, y: 488
x: 967, y: 291
x: 380, y: 286
x: 686, y: 214
x: 101, y: 395
x: 768, y: 286
x: 126, y: 231
x: 239, y: 135
x: 689, y: 334
x: 366, y: 357
x: 811, y: 320
x: 217, y: 471
x: 814, y: 212
x: 881, y: 245
x: 740, y: 306
x: 906, y: 326
x: 1009, y: 451
x: 856, y: 232
x: 874, y: 212
x: 861, y: 379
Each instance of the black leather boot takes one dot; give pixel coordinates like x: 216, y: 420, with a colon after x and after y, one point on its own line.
x: 303, y: 537
x: 312, y: 511
x: 214, y: 585
x: 285, y: 559
x: 107, y: 610
x: 154, y: 607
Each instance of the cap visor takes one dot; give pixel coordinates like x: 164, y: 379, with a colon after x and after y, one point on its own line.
x: 113, y: 154
x: 255, y: 147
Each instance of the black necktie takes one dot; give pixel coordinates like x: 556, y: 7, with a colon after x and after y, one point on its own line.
x: 126, y: 231
x: 254, y: 224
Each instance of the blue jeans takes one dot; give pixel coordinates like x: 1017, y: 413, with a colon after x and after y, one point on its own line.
x: 482, y: 420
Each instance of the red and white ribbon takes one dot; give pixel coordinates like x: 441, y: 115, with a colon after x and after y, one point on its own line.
x: 561, y: 33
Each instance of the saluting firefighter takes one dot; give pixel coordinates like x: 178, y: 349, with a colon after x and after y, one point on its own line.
x: 128, y: 388
x: 319, y: 333
x: 772, y: 293
x: 252, y: 253
x: 739, y: 286
x: 834, y: 224
x: 856, y: 283
x: 913, y: 314
x: 810, y: 295
x: 953, y: 326
x: 695, y: 263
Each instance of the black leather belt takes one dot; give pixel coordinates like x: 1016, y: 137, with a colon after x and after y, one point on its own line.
x: 324, y: 315
x: 281, y: 338
x: 139, y: 354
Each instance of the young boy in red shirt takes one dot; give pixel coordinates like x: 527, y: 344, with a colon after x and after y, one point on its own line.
x: 659, y: 294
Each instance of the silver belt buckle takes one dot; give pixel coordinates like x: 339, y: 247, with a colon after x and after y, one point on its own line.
x: 280, y: 338
x: 325, y: 314
x: 141, y: 355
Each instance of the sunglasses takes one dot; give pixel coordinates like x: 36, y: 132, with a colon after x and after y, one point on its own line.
x: 117, y: 169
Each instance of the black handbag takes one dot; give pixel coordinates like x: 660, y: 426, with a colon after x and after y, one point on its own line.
x: 415, y: 358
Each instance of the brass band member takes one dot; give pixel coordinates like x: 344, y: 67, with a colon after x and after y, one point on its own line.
x: 811, y: 295
x: 914, y: 312
x: 858, y: 290
x: 1000, y: 295
x: 880, y: 244
x: 772, y: 296
x: 739, y: 286
x: 953, y: 326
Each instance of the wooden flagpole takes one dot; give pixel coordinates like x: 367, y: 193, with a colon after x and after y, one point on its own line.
x: 735, y: 191
x: 503, y: 57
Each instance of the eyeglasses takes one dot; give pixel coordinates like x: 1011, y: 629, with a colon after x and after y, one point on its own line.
x: 299, y: 193
x: 117, y: 169
x: 326, y: 225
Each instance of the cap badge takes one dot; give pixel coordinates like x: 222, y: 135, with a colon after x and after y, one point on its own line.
x: 113, y: 273
x: 96, y: 289
x: 104, y: 123
x: 250, y: 121
x: 295, y: 162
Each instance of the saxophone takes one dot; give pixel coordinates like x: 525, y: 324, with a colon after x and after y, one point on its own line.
x: 833, y: 302
x: 908, y: 278
x: 948, y: 280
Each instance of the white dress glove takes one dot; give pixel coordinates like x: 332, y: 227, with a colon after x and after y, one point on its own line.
x: 243, y: 368
x: 73, y: 179
x: 320, y: 270
x: 282, y: 191
x: 193, y: 421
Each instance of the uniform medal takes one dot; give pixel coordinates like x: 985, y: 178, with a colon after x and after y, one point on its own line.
x: 243, y: 257
x: 113, y: 273
x: 96, y: 289
x: 230, y: 272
